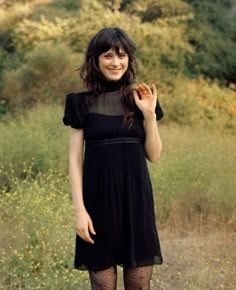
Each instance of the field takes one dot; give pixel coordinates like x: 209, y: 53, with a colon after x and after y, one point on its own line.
x: 194, y: 187
x: 188, y: 49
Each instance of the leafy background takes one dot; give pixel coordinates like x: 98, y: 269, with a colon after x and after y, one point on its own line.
x: 188, y: 49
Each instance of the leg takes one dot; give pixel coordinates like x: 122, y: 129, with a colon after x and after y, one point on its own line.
x: 104, y: 279
x: 138, y: 278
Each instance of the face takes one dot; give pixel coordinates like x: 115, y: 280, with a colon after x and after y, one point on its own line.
x: 112, y: 64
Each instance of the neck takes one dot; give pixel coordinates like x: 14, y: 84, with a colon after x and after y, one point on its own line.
x: 111, y: 86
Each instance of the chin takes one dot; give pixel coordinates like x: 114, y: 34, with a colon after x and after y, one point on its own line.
x: 114, y: 78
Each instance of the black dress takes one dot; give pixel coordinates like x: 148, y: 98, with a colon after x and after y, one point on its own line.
x: 117, y: 190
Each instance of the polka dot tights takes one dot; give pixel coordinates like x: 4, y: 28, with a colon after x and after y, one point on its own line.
x: 134, y: 278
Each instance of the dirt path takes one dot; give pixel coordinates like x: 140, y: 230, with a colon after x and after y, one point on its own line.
x: 196, y: 262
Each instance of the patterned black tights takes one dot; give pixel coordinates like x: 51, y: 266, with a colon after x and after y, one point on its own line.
x: 134, y: 278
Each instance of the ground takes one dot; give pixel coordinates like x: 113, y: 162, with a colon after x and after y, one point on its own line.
x: 202, y: 259
x: 195, y: 261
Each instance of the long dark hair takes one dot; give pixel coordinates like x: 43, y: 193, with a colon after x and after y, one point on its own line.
x: 93, y: 79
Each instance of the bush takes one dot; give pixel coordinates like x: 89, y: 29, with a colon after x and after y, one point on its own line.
x: 47, y: 74
x: 212, y: 33
x: 161, y: 44
x: 153, y: 9
x: 75, y: 31
x: 199, y: 102
x: 9, y: 17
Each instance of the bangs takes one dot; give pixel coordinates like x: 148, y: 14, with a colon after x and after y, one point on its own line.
x: 108, y: 38
x: 115, y: 39
x: 117, y: 45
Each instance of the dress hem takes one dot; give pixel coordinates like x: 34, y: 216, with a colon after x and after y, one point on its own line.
x: 83, y: 267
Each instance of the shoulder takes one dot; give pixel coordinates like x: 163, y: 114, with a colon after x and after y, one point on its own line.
x: 76, y: 109
x: 78, y: 96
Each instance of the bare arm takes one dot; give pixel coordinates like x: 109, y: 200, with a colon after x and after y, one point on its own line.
x: 76, y: 167
x: 147, y: 105
x: 83, y: 222
x: 153, y: 144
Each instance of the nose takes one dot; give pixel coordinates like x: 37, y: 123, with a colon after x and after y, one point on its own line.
x: 115, y: 61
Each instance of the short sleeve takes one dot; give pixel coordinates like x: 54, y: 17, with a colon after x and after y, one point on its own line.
x: 75, y: 111
x: 159, y: 112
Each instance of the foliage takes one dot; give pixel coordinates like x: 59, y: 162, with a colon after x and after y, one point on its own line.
x: 170, y: 54
x: 154, y: 9
x: 42, y: 44
x: 8, y: 20
x: 172, y: 44
x: 170, y: 57
x: 199, y: 102
x: 69, y: 5
x: 9, y: 3
x: 47, y: 73
x: 29, y: 32
x: 9, y: 17
x: 212, y: 32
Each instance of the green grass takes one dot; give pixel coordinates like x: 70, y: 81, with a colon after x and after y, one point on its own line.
x: 193, y: 185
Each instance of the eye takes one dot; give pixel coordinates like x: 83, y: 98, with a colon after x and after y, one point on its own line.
x: 122, y: 55
x: 107, y: 55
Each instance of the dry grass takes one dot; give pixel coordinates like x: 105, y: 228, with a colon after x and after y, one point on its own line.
x: 195, y: 261
x: 194, y: 188
x: 198, y: 261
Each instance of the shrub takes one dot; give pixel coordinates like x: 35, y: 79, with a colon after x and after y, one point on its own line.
x: 153, y: 9
x: 162, y: 43
x: 47, y: 74
x: 74, y: 31
x: 199, y: 102
x: 212, y: 33
x: 9, y: 17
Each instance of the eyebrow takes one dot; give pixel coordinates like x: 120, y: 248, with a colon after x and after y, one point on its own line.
x: 111, y: 52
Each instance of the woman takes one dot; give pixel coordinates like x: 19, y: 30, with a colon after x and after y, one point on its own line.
x: 110, y: 184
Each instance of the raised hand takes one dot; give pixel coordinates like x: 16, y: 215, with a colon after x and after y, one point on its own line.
x: 147, y: 100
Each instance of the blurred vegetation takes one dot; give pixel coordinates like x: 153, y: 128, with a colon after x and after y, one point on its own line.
x: 186, y: 47
x: 212, y: 32
x: 47, y: 71
x: 151, y: 10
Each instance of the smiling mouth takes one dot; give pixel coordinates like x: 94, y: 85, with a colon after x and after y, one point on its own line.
x: 115, y: 70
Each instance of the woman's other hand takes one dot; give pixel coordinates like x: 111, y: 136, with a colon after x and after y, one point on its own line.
x: 84, y: 226
x: 146, y: 99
